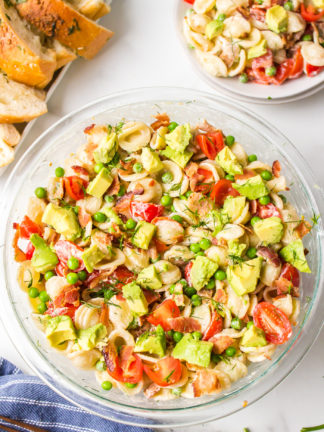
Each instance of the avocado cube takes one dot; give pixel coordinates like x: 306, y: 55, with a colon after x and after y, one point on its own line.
x: 152, y: 343
x: 214, y: 28
x: 59, y: 329
x: 44, y: 258
x: 269, y: 230
x: 143, y: 234
x: 228, y: 161
x: 151, y: 161
x: 233, y: 207
x: 254, y: 337
x: 295, y: 255
x: 63, y: 220
x: 149, y: 278
x: 253, y: 188
x: 135, y: 298
x: 98, y: 186
x: 111, y: 215
x: 236, y: 248
x: 277, y: 19
x: 180, y: 158
x: 243, y: 277
x: 92, y: 256
x: 106, y: 149
x: 193, y: 351
x: 257, y: 50
x: 90, y: 337
x: 179, y: 138
x: 202, y: 270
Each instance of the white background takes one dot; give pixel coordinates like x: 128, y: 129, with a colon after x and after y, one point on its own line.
x: 146, y: 52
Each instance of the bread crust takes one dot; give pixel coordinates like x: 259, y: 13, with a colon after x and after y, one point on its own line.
x: 61, y: 21
x: 17, y: 60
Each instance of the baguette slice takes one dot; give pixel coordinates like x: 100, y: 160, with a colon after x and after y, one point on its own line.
x: 93, y: 9
x: 7, y: 154
x: 63, y: 54
x: 9, y: 134
x: 22, y: 57
x: 19, y: 103
x: 59, y: 20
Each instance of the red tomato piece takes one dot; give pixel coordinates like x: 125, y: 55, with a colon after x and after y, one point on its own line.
x: 75, y: 187
x: 187, y: 272
x: 160, y: 246
x: 28, y: 227
x: 273, y: 322
x: 167, y: 309
x: 112, y: 361
x: 309, y: 14
x: 165, y: 372
x: 120, y: 277
x: 290, y: 273
x: 145, y: 211
x: 215, y: 326
x: 222, y: 189
x: 211, y: 144
x: 66, y: 310
x: 259, y: 66
x: 30, y: 251
x: 312, y: 71
x: 205, y: 172
x: 269, y: 210
x: 297, y: 65
x: 20, y: 256
x: 130, y: 364
x: 190, y: 1
x: 61, y: 269
x: 283, y: 72
x: 65, y: 249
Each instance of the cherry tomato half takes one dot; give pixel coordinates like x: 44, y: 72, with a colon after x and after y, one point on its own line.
x: 273, y: 322
x: 167, y: 309
x: 222, y: 189
x: 165, y: 372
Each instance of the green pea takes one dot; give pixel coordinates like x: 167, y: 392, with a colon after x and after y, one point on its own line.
x: 249, y: 324
x: 106, y: 385
x: 266, y: 175
x: 196, y: 300
x: 183, y: 282
x: 307, y: 37
x: 43, y: 296
x: 188, y: 193
x: 220, y: 275
x: 82, y: 275
x: 98, y: 167
x: 264, y: 200
x: 251, y: 252
x: 33, y: 292
x: 230, y: 177
x: 167, y: 177
x: 200, y: 253
x: 230, y: 351
x: 49, y: 274
x: 171, y: 289
x: 215, y: 358
x: 122, y: 190
x: 130, y: 224
x: 284, y: 199
x: 252, y: 158
x: 100, y: 217
x: 172, y: 126
x: 176, y: 391
x: 211, y: 284
x: 72, y: 278
x: 254, y: 220
x: 230, y: 140
x: 177, y: 218
x: 177, y: 336
x: 271, y: 71
x: 130, y: 385
x: 195, y: 247
x: 170, y: 333
x: 109, y: 198
x: 221, y: 17
x: 166, y: 200
x: 59, y: 172
x: 183, y: 197
x: 40, y: 192
x: 243, y: 78
x: 289, y: 6
x: 41, y: 307
x: 73, y: 263
x: 197, y: 335
x: 205, y: 244
x: 137, y: 167
x: 190, y: 291
x: 237, y: 323
x: 101, y: 365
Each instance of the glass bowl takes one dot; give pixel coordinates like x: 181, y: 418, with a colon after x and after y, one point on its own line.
x: 65, y: 137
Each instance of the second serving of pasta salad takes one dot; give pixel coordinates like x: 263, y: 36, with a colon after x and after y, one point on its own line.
x: 164, y: 257
x: 263, y: 41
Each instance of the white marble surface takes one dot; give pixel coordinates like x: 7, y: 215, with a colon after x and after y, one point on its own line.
x: 145, y: 52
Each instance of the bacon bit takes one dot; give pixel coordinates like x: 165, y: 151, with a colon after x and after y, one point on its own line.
x: 150, y: 296
x: 127, y: 167
x: 114, y: 187
x: 123, y: 206
x: 206, y: 127
x: 206, y: 293
x: 161, y: 120
x: 20, y: 256
x: 276, y: 168
x: 197, y: 202
x: 191, y: 169
x: 194, y: 178
x: 284, y: 286
x: 89, y: 128
x: 214, y: 241
x: 220, y: 295
x: 151, y: 390
x: 178, y: 296
x: 81, y: 172
x: 55, y: 189
x: 269, y: 255
x: 151, y: 184
x: 116, y: 231
x: 205, y: 382
x: 95, y: 278
x: 70, y: 295
x: 104, y: 315
x: 160, y: 246
x: 83, y: 217
x: 153, y: 252
x: 258, y: 14
x: 253, y: 206
x: 221, y: 343
x: 184, y: 324
x: 303, y: 228
x: 111, y: 356
x: 247, y: 173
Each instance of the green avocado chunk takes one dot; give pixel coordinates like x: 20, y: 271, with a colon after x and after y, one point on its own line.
x: 193, y: 351
x: 236, y: 248
x: 63, y: 220
x: 151, y: 161
x: 135, y: 298
x: 89, y: 338
x: 269, y: 230
x: 215, y: 220
x: 106, y: 149
x: 294, y: 254
x: 233, y: 207
x: 179, y: 158
x: 243, y: 277
x: 254, y: 337
x: 153, y: 343
x: 257, y: 50
x: 149, y: 278
x: 44, y: 258
x: 59, y: 329
x: 111, y: 215
x: 277, y: 19
x: 214, y: 28
x: 98, y: 186
x: 228, y: 161
x: 179, y: 138
x: 143, y: 234
x: 202, y: 270
x: 92, y: 256
x: 253, y: 188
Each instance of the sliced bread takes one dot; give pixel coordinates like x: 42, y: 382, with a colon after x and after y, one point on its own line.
x: 18, y: 102
x: 93, y: 9
x: 22, y: 56
x: 9, y: 138
x: 58, y: 19
x: 63, y: 54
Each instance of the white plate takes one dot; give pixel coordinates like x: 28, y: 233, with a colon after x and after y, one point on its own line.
x: 290, y: 91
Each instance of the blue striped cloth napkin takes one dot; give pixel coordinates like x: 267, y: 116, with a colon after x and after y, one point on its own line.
x: 26, y: 398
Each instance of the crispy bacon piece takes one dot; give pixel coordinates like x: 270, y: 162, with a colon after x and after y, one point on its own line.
x: 151, y: 390
x: 303, y: 228
x: 205, y: 382
x: 161, y: 120
x: 114, y: 187
x: 269, y: 255
x: 221, y: 342
x: 81, y: 172
x: 84, y: 217
x: 284, y: 286
x: 104, y: 315
x: 276, y: 168
x: 206, y: 127
x: 70, y: 295
x: 197, y: 202
x: 89, y: 128
x: 220, y: 295
x: 126, y: 167
x: 184, y: 324
x: 110, y: 354
x: 123, y: 206
x: 151, y: 296
x: 20, y: 256
x: 247, y: 173
x: 253, y: 206
x: 194, y: 177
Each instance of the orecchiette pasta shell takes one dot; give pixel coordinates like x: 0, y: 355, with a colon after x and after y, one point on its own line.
x: 203, y: 6
x: 228, y: 6
x: 178, y: 254
x: 259, y: 354
x: 120, y: 315
x: 168, y: 272
x: 198, y: 22
x: 152, y: 190
x: 169, y: 231
x: 312, y: 53
x: 158, y: 141
x: 240, y: 153
x: 285, y: 304
x: 203, y: 315
x: 134, y: 176
x: 177, y: 175
x: 84, y: 359
x: 259, y: 166
x: 296, y: 23
x: 277, y: 184
x: 274, y: 41
x: 269, y: 273
x: 236, y: 26
x: 253, y: 303
x: 121, y: 337
x: 182, y: 210
x: 117, y: 259
x: 238, y: 305
x: 231, y: 232
x: 136, y: 260
x: 134, y: 136
x: 218, y: 254
x: 214, y: 168
x: 233, y: 368
x: 197, y: 40
x: 55, y: 286
x: 130, y: 391
x: 233, y: 71
x: 213, y: 64
x: 90, y: 204
x: 252, y: 39
x: 194, y: 235
x: 277, y: 201
x: 86, y: 316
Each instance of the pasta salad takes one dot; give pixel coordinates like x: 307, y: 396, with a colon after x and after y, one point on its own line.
x: 261, y: 41
x: 163, y: 257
